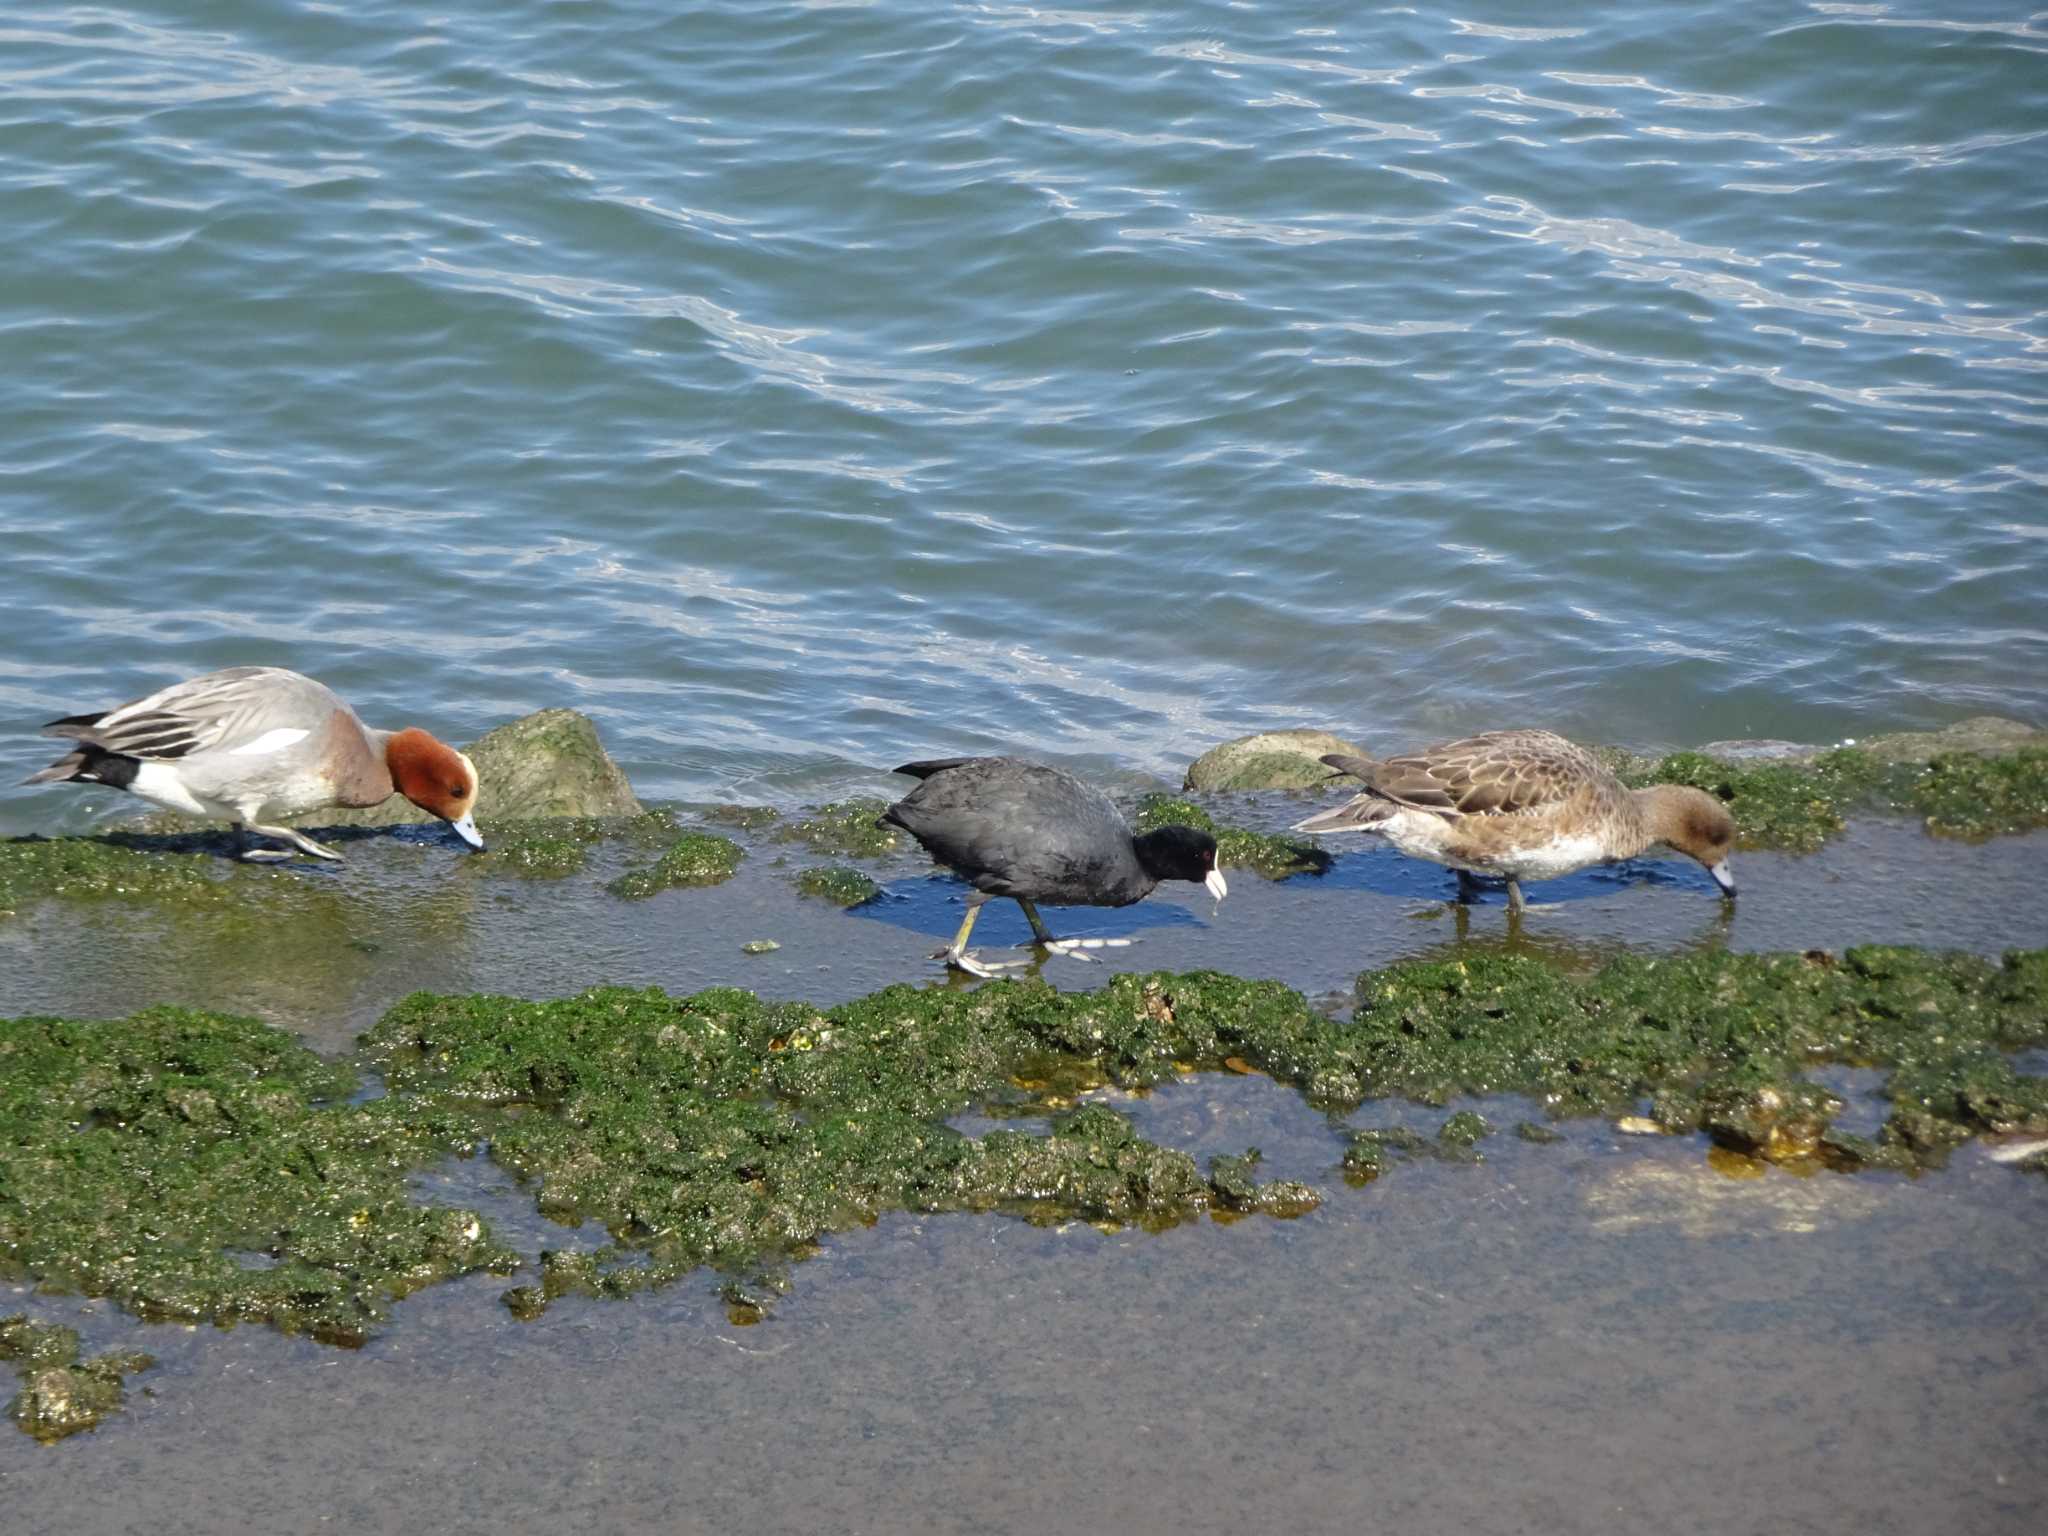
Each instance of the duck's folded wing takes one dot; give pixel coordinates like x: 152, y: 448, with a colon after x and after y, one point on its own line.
x: 1500, y: 772
x: 221, y: 710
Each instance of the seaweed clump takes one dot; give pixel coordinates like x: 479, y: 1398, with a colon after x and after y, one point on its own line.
x: 550, y: 847
x: 1264, y: 853
x: 1964, y: 794
x: 194, y: 1168
x: 1718, y: 1042
x: 849, y: 828
x: 718, y: 1129
x: 61, y: 1394
x: 1793, y: 806
x: 1798, y: 806
x: 836, y: 883
x: 695, y: 858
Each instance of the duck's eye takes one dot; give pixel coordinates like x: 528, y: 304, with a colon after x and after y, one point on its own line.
x: 458, y: 792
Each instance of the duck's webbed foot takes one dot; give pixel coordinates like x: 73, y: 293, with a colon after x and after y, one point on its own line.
x: 297, y: 839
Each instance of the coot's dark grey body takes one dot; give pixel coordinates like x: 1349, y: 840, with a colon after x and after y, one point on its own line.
x: 1015, y: 828
x: 1036, y: 833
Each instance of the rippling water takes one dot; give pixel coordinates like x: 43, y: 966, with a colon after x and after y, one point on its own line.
x: 797, y: 388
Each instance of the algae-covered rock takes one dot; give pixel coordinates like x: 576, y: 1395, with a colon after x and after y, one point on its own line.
x: 1268, y: 760
x: 1980, y: 734
x: 695, y: 858
x: 1962, y: 794
x: 838, y: 884
x: 1236, y: 1189
x: 1776, y: 803
x: 1265, y: 853
x: 102, y: 869
x: 60, y: 1395
x: 1977, y: 779
x: 845, y: 827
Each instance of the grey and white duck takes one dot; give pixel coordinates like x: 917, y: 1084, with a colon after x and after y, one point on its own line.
x: 252, y: 745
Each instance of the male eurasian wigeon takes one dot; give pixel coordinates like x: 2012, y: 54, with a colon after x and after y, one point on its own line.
x: 1036, y: 833
x: 250, y: 744
x: 1524, y: 805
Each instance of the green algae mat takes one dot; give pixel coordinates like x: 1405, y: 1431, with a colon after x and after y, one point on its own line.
x: 205, y: 1168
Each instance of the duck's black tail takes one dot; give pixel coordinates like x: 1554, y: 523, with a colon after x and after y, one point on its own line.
x: 89, y: 765
x: 930, y: 766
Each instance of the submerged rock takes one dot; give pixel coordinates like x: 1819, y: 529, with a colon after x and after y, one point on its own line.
x: 1268, y: 760
x: 695, y: 858
x: 838, y: 884
x: 60, y: 1395
x: 848, y: 828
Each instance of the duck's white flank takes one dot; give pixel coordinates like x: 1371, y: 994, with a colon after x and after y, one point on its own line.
x: 1425, y: 835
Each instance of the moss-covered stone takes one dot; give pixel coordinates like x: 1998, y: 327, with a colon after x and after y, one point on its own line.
x: 1789, y: 805
x: 836, y: 883
x: 1798, y: 804
x: 61, y: 1395
x: 695, y: 858
x: 1237, y: 1190
x: 847, y: 828
x: 1966, y: 795
x: 1464, y: 1130
x: 1264, y: 853
x: 102, y: 869
x: 1268, y: 760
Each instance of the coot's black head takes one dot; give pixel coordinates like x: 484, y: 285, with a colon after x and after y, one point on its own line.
x: 1181, y: 853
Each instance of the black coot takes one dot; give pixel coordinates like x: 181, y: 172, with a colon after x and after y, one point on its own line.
x: 1033, y: 833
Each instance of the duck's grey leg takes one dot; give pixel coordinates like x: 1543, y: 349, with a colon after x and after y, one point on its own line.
x: 955, y: 954
x: 247, y: 851
x: 1073, y: 949
x: 1468, y: 887
x: 298, y: 840
x: 1515, y: 902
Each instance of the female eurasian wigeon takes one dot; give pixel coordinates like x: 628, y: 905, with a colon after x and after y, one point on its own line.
x: 250, y: 744
x: 1524, y: 805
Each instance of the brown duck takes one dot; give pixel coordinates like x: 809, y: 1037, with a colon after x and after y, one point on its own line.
x: 1523, y: 805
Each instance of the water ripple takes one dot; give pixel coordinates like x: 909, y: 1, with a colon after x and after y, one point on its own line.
x: 798, y: 387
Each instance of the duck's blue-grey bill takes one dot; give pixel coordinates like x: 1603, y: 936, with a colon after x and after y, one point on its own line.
x: 466, y: 830
x: 1723, y: 877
